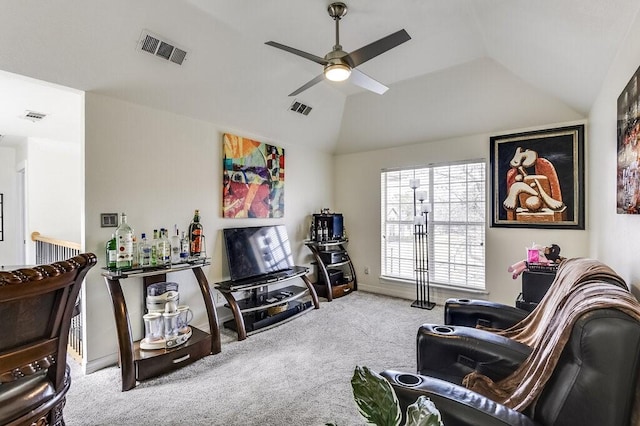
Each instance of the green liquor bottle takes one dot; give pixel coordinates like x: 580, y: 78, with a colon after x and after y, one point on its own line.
x: 154, y: 248
x: 111, y: 252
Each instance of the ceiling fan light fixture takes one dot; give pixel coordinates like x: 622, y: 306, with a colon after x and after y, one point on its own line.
x: 337, y: 72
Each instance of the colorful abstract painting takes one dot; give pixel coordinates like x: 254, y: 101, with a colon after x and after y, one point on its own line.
x: 253, y: 181
x: 628, y: 177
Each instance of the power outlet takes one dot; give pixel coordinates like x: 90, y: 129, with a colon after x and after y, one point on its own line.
x: 366, y: 270
x: 219, y: 298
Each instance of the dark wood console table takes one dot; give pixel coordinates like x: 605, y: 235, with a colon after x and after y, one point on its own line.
x: 252, y: 313
x: 136, y: 364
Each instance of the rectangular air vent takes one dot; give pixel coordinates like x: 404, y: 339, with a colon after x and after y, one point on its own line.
x: 161, y: 48
x: 34, y: 116
x: 301, y: 108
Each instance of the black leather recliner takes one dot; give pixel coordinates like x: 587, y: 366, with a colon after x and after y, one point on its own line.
x: 452, y: 351
x: 594, y: 382
x: 472, y: 313
x: 460, y: 348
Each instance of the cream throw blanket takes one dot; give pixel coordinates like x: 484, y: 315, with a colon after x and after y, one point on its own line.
x: 581, y: 285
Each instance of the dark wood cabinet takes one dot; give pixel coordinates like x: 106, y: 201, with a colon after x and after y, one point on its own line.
x: 137, y: 364
x: 335, y: 274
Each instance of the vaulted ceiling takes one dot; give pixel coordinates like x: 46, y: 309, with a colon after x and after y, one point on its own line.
x: 471, y: 66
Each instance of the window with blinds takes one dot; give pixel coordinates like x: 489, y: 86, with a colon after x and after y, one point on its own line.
x: 455, y: 194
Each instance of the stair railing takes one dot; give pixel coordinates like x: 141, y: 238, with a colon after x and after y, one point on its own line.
x: 49, y: 250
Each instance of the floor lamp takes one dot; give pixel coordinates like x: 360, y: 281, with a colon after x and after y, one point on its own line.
x: 421, y: 248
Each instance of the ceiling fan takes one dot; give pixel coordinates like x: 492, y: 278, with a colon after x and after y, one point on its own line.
x: 340, y: 65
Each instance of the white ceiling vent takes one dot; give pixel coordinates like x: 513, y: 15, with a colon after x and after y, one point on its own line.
x: 34, y: 116
x: 161, y: 48
x: 301, y: 108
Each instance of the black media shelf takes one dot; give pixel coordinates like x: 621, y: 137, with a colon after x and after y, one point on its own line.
x: 257, y: 321
x: 251, y: 314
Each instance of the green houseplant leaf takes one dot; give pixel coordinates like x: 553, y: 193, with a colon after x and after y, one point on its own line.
x: 423, y: 412
x: 376, y: 400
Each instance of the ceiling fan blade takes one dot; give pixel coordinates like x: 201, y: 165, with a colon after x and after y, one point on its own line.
x: 376, y: 48
x: 309, y: 56
x: 313, y: 82
x: 361, y: 79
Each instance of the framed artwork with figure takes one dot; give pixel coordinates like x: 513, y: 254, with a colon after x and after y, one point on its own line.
x: 537, y: 179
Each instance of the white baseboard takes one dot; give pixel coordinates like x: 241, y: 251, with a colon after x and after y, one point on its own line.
x: 98, y: 364
x: 438, y: 294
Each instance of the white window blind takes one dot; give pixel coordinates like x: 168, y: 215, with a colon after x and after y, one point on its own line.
x: 456, y: 194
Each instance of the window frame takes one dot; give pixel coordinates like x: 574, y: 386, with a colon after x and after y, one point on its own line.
x: 457, y: 274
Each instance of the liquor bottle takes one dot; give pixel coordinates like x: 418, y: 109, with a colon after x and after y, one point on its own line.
x: 312, y: 231
x: 111, y: 252
x: 184, y: 248
x: 124, y: 241
x: 167, y: 247
x: 163, y: 248
x: 135, y: 258
x: 195, y: 236
x: 144, y: 252
x: 175, y: 245
x: 154, y: 248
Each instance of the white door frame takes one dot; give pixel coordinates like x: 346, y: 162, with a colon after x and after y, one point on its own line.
x: 21, y: 191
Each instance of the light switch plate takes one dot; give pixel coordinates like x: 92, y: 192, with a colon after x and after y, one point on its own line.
x: 108, y: 220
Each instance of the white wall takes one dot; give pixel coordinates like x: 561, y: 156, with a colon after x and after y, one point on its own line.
x: 614, y: 237
x: 54, y: 200
x: 357, y: 196
x: 158, y: 167
x: 8, y: 255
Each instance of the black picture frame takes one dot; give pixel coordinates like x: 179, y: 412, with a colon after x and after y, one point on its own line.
x: 537, y: 179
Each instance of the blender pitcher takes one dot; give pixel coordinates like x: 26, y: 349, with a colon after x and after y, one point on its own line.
x: 185, y: 315
x: 170, y: 317
x: 153, y: 329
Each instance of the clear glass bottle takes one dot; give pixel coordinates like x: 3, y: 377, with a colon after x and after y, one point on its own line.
x: 124, y: 242
x: 195, y: 236
x: 154, y: 248
x: 111, y: 252
x: 163, y: 248
x: 144, y: 251
x: 174, y: 241
x: 135, y: 261
x: 312, y: 231
x: 184, y: 248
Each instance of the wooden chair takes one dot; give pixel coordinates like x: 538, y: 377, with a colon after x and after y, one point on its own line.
x: 36, y: 306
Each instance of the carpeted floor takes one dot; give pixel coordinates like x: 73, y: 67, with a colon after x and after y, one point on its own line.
x: 295, y: 374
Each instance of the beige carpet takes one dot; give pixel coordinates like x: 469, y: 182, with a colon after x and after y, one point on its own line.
x: 295, y: 374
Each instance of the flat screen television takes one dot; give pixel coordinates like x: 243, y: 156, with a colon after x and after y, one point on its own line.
x: 258, y: 250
